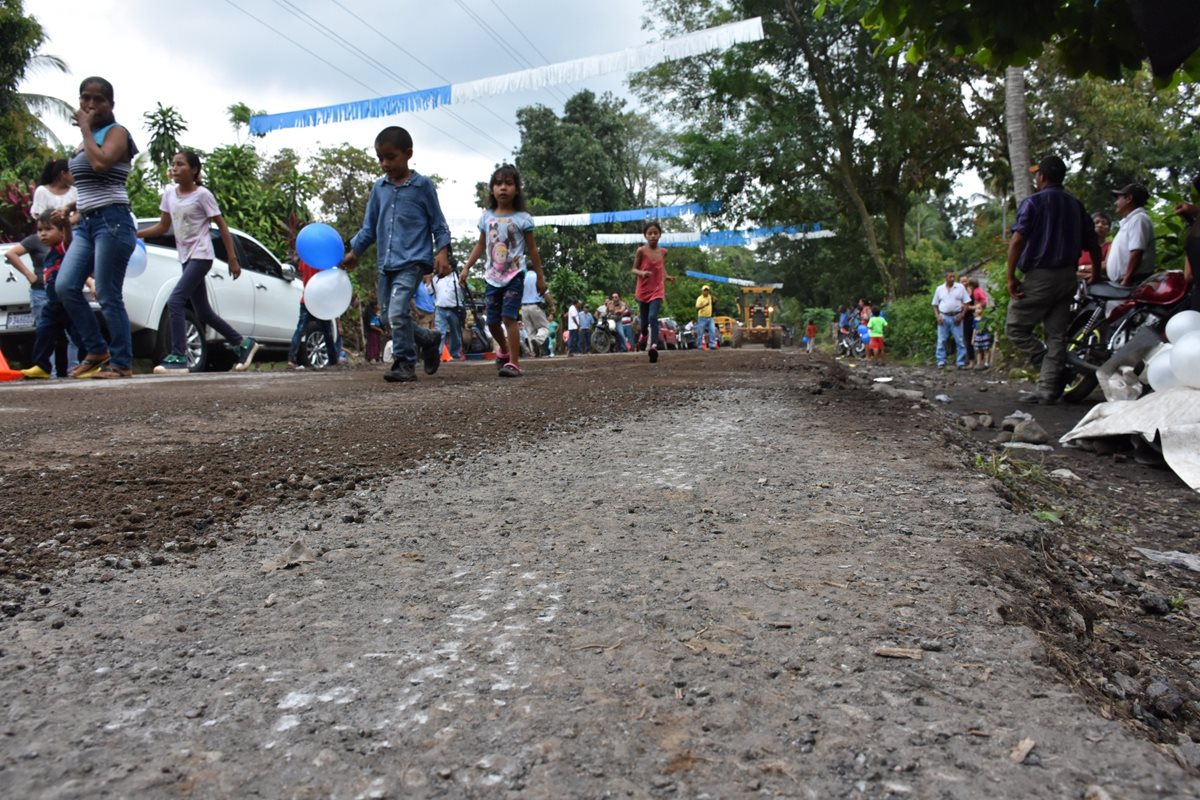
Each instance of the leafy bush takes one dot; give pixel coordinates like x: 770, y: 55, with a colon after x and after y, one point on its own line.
x: 823, y: 318
x: 911, y: 332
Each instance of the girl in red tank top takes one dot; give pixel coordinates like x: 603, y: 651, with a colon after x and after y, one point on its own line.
x: 649, y: 267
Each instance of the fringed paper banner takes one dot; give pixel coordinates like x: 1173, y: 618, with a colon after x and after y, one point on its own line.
x: 406, y: 103
x: 704, y: 276
x: 720, y: 238
x: 637, y: 214
x: 721, y: 37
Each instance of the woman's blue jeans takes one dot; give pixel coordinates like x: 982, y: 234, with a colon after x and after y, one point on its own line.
x: 101, y: 244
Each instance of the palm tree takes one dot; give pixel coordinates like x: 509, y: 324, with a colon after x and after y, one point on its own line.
x: 239, y: 117
x: 43, y: 105
x: 1017, y: 122
x: 165, y: 124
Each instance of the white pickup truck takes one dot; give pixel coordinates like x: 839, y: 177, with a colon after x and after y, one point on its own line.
x: 264, y: 303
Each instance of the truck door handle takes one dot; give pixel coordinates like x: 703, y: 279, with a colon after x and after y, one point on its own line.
x: 216, y: 276
x: 262, y: 287
x: 11, y: 277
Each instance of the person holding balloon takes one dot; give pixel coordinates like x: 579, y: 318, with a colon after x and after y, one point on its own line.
x: 404, y: 220
x: 105, y: 236
x: 189, y: 209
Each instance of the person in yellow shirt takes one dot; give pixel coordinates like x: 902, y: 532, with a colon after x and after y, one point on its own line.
x: 704, y: 320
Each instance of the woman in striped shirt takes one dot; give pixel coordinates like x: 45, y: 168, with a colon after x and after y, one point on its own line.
x: 105, y: 236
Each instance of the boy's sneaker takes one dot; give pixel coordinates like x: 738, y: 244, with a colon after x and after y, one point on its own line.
x: 400, y: 372
x: 653, y: 354
x: 295, y: 366
x: 172, y: 363
x: 35, y: 372
x: 245, y: 353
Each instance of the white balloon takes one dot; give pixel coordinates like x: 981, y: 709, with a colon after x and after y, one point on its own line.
x: 1183, y: 323
x: 328, y: 293
x: 1159, y: 374
x: 1185, y: 360
x: 137, y: 261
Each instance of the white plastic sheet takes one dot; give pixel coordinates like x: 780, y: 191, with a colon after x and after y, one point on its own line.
x: 1173, y: 414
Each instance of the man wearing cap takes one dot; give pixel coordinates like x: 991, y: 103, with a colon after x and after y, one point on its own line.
x: 1132, y: 252
x: 704, y: 320
x: 1051, y: 230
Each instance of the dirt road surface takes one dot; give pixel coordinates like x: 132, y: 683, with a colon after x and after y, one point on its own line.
x: 741, y: 573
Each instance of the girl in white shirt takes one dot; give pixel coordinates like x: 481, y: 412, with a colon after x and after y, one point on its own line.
x: 189, y: 209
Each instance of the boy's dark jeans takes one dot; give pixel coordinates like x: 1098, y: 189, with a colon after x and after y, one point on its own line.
x: 53, y: 322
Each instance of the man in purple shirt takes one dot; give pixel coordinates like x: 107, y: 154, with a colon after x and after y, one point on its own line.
x: 1052, y: 228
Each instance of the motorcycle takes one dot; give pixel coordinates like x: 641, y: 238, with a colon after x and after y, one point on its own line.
x: 1096, y: 333
x: 850, y: 343
x: 604, y: 335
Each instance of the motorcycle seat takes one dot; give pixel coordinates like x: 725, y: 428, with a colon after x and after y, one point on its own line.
x: 1105, y: 290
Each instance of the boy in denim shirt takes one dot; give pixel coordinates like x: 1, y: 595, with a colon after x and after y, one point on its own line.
x: 405, y: 221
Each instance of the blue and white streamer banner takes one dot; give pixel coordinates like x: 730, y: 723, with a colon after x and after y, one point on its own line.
x: 704, y: 276
x: 720, y: 238
x: 721, y: 37
x: 633, y: 215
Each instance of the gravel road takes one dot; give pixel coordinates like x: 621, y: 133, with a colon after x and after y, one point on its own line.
x: 718, y: 578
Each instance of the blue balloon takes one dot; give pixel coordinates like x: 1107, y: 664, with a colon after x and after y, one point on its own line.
x: 137, y: 260
x: 320, y: 246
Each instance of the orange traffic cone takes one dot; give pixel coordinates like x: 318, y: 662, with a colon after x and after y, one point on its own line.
x: 7, y: 374
x: 446, y: 353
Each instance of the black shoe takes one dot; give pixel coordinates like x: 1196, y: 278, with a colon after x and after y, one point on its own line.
x: 653, y: 354
x: 1036, y: 398
x: 400, y: 372
x: 430, y: 345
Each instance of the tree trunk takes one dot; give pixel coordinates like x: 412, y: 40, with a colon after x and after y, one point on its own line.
x: 868, y: 223
x: 895, y: 213
x: 1017, y: 123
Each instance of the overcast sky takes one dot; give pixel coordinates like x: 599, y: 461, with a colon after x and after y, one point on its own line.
x: 201, y: 57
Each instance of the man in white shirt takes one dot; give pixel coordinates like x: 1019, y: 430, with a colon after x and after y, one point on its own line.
x: 533, y: 314
x: 1132, y: 252
x: 448, y: 307
x: 573, y: 328
x: 949, y: 304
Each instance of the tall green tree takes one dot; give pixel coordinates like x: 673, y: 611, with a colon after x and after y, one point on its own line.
x: 23, y: 149
x: 165, y: 125
x: 1097, y: 37
x: 811, y: 112
x: 581, y: 161
x: 344, y: 176
x: 232, y: 173
x: 596, y: 157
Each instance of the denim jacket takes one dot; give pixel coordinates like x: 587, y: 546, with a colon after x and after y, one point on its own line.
x: 402, y: 220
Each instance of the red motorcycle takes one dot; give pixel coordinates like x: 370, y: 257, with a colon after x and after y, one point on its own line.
x: 1095, y: 332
